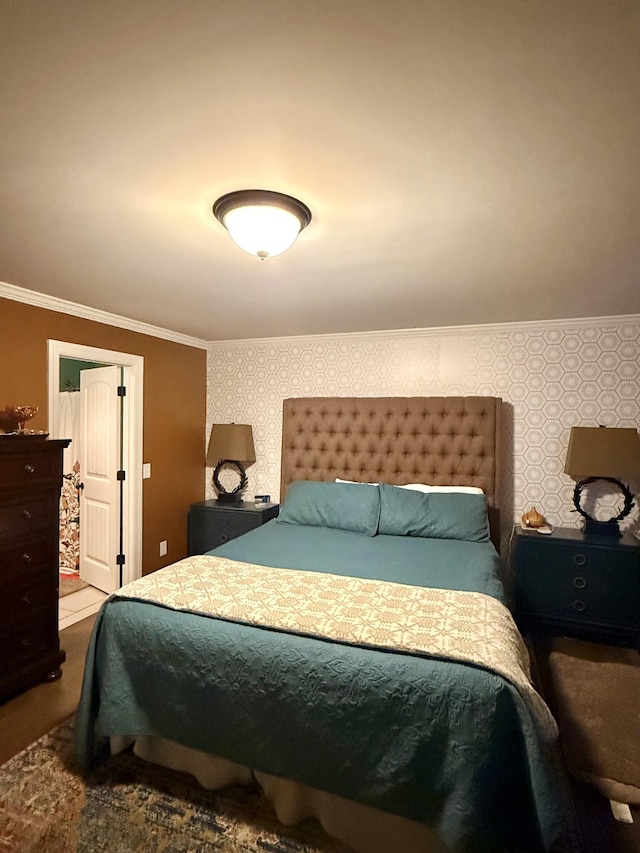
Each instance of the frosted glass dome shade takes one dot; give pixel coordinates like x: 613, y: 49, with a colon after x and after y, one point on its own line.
x: 262, y: 222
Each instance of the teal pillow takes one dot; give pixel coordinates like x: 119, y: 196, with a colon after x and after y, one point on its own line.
x: 345, y: 506
x: 434, y: 515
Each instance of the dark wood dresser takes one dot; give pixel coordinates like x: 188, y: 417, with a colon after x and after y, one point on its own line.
x: 30, y: 483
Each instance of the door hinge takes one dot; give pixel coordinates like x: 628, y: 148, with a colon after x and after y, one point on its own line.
x: 122, y: 390
x: 120, y: 560
x: 121, y: 475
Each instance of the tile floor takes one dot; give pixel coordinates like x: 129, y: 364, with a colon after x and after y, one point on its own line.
x: 72, y: 608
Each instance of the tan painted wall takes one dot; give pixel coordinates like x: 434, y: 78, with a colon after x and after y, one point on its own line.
x: 174, y: 409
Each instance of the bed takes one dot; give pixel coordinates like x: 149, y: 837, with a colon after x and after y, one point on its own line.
x: 337, y: 655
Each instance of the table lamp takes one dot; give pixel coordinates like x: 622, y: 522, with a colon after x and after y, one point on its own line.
x: 603, y: 453
x: 230, y: 445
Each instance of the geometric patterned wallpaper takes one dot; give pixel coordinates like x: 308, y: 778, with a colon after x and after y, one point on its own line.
x: 551, y: 376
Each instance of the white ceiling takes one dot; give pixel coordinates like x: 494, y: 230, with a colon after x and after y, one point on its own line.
x: 465, y: 162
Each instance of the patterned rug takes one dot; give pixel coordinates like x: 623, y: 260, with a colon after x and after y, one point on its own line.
x: 129, y: 806
x: 70, y: 584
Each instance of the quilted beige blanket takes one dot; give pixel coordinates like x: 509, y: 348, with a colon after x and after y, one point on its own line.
x: 469, y: 627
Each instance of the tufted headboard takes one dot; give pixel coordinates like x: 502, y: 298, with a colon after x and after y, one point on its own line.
x: 396, y: 440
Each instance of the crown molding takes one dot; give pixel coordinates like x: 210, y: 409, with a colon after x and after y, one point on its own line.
x: 439, y: 331
x: 62, y: 306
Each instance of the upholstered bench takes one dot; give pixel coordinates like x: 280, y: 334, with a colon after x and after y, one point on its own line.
x: 595, y: 696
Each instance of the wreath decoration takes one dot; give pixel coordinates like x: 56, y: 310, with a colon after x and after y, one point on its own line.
x: 628, y: 498
x: 243, y: 477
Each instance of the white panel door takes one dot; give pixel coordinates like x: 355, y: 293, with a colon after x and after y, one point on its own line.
x: 100, y: 428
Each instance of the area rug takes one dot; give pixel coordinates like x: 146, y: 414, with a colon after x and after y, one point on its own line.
x: 70, y: 584
x: 129, y: 806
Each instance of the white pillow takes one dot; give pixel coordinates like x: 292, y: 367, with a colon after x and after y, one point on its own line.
x: 462, y: 490
x: 422, y: 487
x: 355, y: 482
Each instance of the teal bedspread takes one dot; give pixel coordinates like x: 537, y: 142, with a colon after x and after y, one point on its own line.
x: 442, y: 563
x: 444, y: 743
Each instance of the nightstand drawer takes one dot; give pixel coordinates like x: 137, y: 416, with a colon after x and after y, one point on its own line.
x: 577, y: 585
x: 581, y: 583
x: 229, y: 526
x: 212, y: 525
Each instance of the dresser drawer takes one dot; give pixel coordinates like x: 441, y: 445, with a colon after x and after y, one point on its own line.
x: 27, y: 516
x: 27, y: 639
x: 30, y: 469
x: 20, y: 601
x: 33, y: 558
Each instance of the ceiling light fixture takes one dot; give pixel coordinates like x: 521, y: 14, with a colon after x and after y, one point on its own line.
x: 262, y: 222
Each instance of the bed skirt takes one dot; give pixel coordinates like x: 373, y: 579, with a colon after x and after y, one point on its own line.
x: 363, y: 828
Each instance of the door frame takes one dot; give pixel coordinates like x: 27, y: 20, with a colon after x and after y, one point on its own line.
x: 131, y: 436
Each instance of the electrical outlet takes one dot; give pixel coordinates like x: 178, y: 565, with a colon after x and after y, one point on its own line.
x: 146, y: 470
x: 164, y: 547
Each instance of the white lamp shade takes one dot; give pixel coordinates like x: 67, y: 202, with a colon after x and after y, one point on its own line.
x: 262, y: 230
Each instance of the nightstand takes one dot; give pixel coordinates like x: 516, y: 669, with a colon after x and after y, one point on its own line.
x: 575, y: 585
x: 212, y: 523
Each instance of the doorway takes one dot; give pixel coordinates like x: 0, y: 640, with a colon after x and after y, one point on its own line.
x: 69, y: 411
x: 125, y: 513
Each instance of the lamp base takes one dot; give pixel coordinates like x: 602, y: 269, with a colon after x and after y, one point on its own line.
x: 235, y: 496
x: 601, y: 528
x: 229, y: 498
x: 592, y: 526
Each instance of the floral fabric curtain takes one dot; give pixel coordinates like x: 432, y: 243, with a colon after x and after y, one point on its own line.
x: 69, y: 420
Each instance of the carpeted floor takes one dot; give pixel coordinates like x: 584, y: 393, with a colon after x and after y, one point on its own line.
x: 129, y: 806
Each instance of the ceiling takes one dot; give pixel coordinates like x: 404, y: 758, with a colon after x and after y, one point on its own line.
x: 465, y: 162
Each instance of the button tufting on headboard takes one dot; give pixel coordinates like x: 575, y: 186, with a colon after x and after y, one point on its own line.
x: 435, y: 440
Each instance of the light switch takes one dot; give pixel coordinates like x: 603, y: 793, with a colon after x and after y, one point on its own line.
x: 146, y: 470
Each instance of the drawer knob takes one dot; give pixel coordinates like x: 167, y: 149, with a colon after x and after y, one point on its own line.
x: 579, y: 582
x: 26, y: 600
x: 26, y: 513
x: 29, y: 469
x: 26, y: 557
x: 224, y: 538
x: 580, y: 560
x: 579, y: 606
x: 25, y: 644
